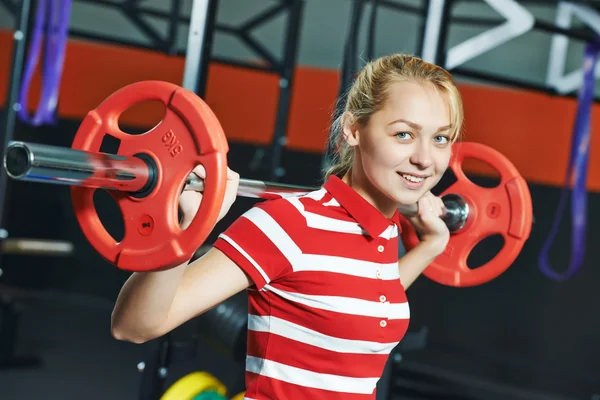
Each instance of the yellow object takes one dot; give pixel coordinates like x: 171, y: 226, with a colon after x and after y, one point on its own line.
x: 239, y: 396
x: 192, y: 385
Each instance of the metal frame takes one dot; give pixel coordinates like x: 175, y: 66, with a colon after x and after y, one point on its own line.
x: 282, y: 64
x: 9, y: 306
x: 20, y: 37
x: 134, y: 11
x: 439, y: 20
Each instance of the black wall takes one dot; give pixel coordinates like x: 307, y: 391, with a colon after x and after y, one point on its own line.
x: 522, y: 328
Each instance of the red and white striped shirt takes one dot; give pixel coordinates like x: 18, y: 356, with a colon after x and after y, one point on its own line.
x: 327, y: 305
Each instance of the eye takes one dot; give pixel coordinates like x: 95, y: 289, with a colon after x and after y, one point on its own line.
x: 441, y: 139
x: 403, y: 135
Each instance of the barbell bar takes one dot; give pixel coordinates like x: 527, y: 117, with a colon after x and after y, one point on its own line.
x: 149, y: 171
x: 33, y: 162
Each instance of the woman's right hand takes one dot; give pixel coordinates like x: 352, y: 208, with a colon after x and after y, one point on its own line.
x: 189, y: 200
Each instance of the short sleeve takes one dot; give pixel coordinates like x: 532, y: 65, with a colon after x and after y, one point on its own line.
x: 259, y: 242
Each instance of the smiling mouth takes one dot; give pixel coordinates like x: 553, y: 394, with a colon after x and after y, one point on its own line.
x: 412, y: 178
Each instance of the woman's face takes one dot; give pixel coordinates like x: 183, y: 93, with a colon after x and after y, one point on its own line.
x: 404, y: 149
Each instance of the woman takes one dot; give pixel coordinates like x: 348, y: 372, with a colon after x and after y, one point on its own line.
x: 326, y: 290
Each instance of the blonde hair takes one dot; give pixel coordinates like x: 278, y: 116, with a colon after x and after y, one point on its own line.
x: 368, y: 94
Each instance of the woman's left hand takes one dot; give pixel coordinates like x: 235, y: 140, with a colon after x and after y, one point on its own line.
x: 428, y: 223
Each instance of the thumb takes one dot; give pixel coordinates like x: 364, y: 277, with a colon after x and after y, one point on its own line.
x: 200, y: 171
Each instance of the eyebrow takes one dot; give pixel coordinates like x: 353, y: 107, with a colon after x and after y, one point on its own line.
x: 419, y: 127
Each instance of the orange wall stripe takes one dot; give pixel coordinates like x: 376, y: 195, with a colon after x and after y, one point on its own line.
x: 532, y: 129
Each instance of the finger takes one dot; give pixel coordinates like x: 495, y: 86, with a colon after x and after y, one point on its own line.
x: 189, y: 200
x: 231, y: 174
x: 200, y: 171
x: 441, y: 208
x: 425, y: 207
x: 435, y: 205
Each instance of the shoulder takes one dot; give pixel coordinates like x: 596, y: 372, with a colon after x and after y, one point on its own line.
x: 290, y: 214
x: 289, y: 210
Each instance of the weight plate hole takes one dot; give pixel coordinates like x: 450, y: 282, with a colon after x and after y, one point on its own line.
x: 149, y: 112
x: 110, y: 214
x: 481, y: 173
x: 110, y: 144
x: 447, y: 180
x: 485, y: 250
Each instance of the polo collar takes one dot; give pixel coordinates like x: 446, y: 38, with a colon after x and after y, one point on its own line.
x: 367, y: 215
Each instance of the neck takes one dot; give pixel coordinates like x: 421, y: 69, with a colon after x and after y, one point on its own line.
x: 357, y: 180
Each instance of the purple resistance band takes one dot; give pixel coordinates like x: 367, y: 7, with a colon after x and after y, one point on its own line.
x: 55, y: 31
x: 576, y: 175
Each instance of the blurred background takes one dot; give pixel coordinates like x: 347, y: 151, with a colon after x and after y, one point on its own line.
x: 271, y: 70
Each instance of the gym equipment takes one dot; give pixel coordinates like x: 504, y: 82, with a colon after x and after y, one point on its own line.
x: 51, y: 27
x: 505, y: 209
x: 150, y: 170
x: 190, y: 386
x: 148, y: 183
x: 38, y: 247
x: 198, y: 386
x: 576, y: 176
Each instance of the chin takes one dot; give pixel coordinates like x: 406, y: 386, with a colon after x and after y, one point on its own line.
x: 408, y: 197
x: 396, y: 191
x: 405, y: 196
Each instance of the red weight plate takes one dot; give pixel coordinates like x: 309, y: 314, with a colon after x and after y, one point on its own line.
x: 506, y: 210
x: 190, y: 134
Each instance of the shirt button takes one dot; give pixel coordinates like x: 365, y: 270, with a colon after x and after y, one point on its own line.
x: 383, y: 323
x: 378, y: 274
x: 380, y: 248
x: 382, y: 298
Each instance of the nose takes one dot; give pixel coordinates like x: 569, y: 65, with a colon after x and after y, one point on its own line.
x: 422, y: 155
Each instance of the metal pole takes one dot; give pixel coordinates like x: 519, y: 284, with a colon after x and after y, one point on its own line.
x: 64, y: 166
x: 435, y: 31
x: 199, y: 45
x: 12, y: 105
x: 350, y: 67
x: 32, y: 162
x: 286, y: 81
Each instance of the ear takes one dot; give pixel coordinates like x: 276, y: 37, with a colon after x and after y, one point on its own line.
x: 350, y: 129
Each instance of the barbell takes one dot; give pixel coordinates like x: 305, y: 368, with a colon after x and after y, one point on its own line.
x: 150, y: 170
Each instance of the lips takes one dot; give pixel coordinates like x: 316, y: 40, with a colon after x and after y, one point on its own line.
x: 413, y: 181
